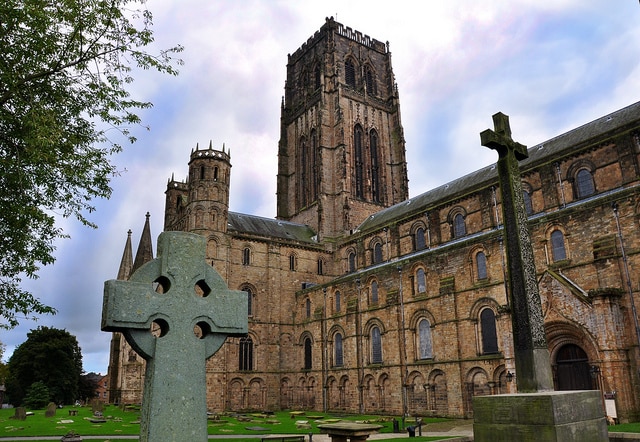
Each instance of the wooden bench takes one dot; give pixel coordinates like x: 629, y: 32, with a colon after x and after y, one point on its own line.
x: 284, y: 438
x: 348, y: 431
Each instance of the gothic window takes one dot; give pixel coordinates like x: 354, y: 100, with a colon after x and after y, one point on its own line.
x: 481, y: 265
x: 338, y: 305
x: 320, y: 266
x: 584, y: 183
x: 359, y: 161
x: 489, y: 333
x: 459, y: 227
x: 246, y: 256
x: 215, y: 173
x: 558, y: 251
x: 528, y: 206
x: 370, y: 81
x: 352, y: 262
x: 350, y: 73
x: 419, y: 242
x: 307, y: 307
x: 375, y: 167
x: 424, y: 337
x: 376, y: 346
x: 292, y: 262
x: 313, y: 167
x: 245, y: 352
x: 303, y: 166
x: 421, y: 281
x: 374, y: 292
x: 337, y: 348
x: 377, y: 253
x: 307, y: 354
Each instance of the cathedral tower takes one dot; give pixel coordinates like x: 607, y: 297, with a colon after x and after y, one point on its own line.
x: 200, y: 204
x: 341, y: 153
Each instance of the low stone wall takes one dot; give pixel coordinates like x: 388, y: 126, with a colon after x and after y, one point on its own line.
x: 624, y: 437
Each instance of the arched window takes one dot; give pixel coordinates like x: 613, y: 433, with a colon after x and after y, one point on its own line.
x: 375, y: 167
x: 376, y: 346
x: 459, y: 227
x: 317, y: 77
x: 215, y: 173
x: 307, y: 307
x: 350, y: 73
x: 424, y: 337
x: 377, y: 253
x: 481, y: 265
x: 320, y: 266
x: 489, y: 333
x: 370, y: 81
x: 245, y: 353
x: 374, y: 292
x: 292, y: 262
x: 337, y: 347
x: 202, y: 172
x: 558, y: 251
x: 246, y: 256
x: 421, y: 281
x: 338, y: 301
x: 419, y: 242
x: 352, y: 262
x: 308, y: 354
x: 359, y: 161
x: 528, y: 205
x: 584, y: 184
x: 249, y: 300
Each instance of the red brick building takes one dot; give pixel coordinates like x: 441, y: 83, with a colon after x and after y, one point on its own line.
x: 363, y: 300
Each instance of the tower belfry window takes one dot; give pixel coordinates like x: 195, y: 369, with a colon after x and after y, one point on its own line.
x: 359, y: 161
x: 350, y: 74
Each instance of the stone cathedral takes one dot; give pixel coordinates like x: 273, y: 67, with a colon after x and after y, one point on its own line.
x: 364, y: 300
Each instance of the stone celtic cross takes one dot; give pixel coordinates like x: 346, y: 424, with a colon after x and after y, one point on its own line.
x: 533, y: 367
x: 190, y: 310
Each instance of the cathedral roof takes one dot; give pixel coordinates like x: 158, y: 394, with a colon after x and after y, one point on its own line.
x: 256, y: 225
x: 609, y: 124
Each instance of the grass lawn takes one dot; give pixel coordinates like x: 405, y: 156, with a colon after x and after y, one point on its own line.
x: 121, y: 422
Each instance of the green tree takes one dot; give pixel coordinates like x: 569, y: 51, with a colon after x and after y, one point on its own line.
x: 64, y: 71
x: 37, y: 397
x: 51, y: 356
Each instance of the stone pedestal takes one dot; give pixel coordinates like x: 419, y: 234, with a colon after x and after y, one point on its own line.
x: 554, y: 416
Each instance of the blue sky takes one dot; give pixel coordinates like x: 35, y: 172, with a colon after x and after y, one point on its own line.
x: 550, y: 66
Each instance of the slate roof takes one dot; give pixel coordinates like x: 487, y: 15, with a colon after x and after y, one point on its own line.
x: 257, y: 225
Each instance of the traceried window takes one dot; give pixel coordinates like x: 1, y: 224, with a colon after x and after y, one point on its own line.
x: 375, y: 167
x: 245, y: 352
x: 370, y: 81
x: 376, y: 346
x: 419, y: 242
x: 584, y: 183
x: 246, y: 256
x: 377, y: 253
x: 308, y: 353
x: 481, y: 265
x: 489, y: 333
x: 558, y: 251
x: 359, y: 160
x: 459, y: 227
x: 421, y: 281
x: 350, y: 73
x: 424, y: 336
x: 337, y: 348
x: 374, y: 292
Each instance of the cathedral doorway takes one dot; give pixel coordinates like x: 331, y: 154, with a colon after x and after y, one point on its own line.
x: 572, y: 369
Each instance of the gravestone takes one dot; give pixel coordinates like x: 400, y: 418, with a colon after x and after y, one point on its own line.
x: 536, y: 413
x: 51, y: 410
x: 20, y: 414
x: 190, y: 310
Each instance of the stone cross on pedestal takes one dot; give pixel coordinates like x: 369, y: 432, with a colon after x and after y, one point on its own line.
x: 175, y: 311
x: 533, y: 367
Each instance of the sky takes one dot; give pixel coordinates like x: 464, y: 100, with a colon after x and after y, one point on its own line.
x: 550, y: 66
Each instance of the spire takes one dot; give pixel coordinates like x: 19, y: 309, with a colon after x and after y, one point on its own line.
x: 145, y: 248
x: 127, y: 260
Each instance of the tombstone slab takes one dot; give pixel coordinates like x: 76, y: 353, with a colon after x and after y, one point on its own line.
x: 190, y: 310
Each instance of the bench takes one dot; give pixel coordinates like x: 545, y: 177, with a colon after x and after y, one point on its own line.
x: 284, y: 438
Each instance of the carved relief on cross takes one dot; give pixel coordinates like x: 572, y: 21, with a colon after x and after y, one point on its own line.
x: 191, y: 311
